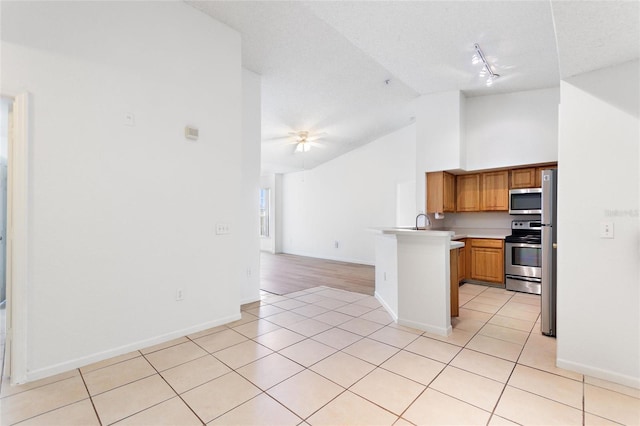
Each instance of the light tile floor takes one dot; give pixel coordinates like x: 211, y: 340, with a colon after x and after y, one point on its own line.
x: 329, y: 357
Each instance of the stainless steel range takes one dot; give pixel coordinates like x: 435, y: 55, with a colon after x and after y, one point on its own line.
x: 523, y: 257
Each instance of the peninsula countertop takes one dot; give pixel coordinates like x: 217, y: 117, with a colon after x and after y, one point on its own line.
x: 455, y: 233
x: 405, y: 231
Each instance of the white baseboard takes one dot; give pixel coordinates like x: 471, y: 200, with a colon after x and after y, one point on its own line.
x: 440, y: 331
x: 599, y: 373
x: 110, y: 353
x: 384, y: 304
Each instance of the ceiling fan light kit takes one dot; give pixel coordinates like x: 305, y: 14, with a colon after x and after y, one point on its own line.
x: 303, y: 146
x: 486, y: 68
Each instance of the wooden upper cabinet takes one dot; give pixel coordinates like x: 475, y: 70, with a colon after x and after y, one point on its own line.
x: 522, y: 178
x: 441, y: 192
x: 495, y: 191
x: 468, y: 192
x: 539, y: 174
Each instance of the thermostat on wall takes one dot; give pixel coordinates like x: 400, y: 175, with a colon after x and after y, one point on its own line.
x: 191, y: 133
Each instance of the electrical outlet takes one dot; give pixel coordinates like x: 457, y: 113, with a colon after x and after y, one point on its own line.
x: 249, y: 272
x: 385, y: 276
x: 336, y: 244
x: 179, y: 294
x: 223, y: 228
x: 606, y: 229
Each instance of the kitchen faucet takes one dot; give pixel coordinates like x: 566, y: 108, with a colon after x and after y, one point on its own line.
x: 427, y: 221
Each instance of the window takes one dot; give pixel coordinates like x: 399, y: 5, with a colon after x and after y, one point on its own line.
x: 265, y: 194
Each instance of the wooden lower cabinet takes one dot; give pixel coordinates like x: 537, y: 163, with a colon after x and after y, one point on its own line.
x: 453, y: 268
x: 462, y: 263
x: 487, y: 260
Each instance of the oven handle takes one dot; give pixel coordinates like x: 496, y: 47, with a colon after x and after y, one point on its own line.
x: 521, y: 278
x: 524, y: 245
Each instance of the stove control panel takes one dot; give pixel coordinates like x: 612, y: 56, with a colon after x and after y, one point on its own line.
x: 526, y: 224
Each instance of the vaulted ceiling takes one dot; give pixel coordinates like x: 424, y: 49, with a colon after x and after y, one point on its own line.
x: 351, y: 69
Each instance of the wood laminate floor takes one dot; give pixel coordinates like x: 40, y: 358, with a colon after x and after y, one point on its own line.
x: 286, y: 273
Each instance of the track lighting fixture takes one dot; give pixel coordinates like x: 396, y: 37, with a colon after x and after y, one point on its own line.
x: 486, y: 70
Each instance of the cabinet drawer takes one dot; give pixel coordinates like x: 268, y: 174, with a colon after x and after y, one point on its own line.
x: 487, y: 243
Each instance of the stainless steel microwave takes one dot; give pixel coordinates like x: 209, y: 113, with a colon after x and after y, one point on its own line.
x: 525, y: 201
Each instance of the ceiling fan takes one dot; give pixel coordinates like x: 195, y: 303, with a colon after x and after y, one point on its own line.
x: 303, y: 140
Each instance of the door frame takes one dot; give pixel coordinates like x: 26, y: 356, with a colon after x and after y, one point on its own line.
x: 17, y: 241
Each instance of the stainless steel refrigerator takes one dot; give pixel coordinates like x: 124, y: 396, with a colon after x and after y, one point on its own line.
x: 549, y: 249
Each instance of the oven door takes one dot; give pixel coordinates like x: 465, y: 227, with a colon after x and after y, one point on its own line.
x: 524, y: 260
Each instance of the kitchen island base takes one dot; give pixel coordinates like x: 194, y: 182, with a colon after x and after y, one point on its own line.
x: 413, y: 278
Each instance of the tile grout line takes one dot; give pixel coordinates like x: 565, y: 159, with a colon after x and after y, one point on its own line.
x: 341, y: 351
x: 95, y: 410
x: 58, y: 407
x: 515, y: 363
x: 360, y: 338
x: 174, y: 391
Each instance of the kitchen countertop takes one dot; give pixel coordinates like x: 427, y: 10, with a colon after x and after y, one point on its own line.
x: 460, y: 233
x: 456, y: 233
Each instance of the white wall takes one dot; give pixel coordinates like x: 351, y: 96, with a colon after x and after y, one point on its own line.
x: 484, y: 132
x: 511, y: 129
x: 121, y: 216
x: 5, y: 107
x: 439, y: 137
x: 599, y: 279
x: 339, y: 200
x: 248, y: 231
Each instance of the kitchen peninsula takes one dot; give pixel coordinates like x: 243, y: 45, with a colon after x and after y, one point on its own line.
x: 412, y: 277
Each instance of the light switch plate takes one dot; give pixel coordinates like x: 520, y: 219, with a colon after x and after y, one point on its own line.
x: 606, y: 229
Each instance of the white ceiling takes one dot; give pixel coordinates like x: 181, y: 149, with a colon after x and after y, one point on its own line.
x: 324, y: 63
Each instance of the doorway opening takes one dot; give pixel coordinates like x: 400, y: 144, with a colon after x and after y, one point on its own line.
x: 6, y: 130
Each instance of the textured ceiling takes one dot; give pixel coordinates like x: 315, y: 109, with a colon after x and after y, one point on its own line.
x: 324, y: 64
x: 596, y: 34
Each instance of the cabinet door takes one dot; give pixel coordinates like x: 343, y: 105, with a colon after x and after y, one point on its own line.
x: 522, y: 178
x: 454, y: 286
x: 449, y: 192
x: 462, y: 263
x: 495, y: 191
x: 468, y: 193
x: 539, y: 175
x: 435, y: 194
x: 487, y: 260
x: 441, y: 190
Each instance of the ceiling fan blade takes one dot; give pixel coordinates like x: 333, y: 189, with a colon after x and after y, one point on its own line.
x: 275, y: 139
